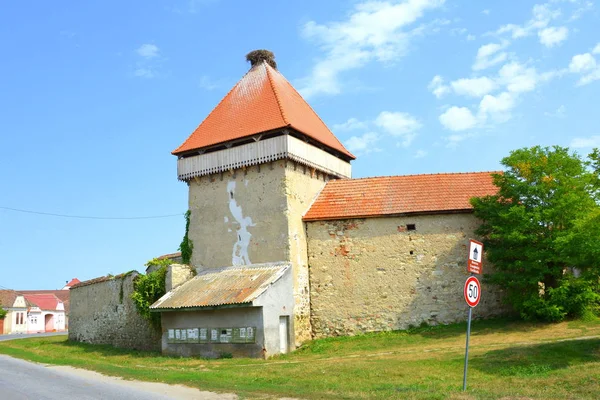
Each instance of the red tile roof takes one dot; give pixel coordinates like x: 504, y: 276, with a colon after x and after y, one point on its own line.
x: 73, y: 282
x: 262, y: 101
x: 389, y: 195
x: 43, y: 301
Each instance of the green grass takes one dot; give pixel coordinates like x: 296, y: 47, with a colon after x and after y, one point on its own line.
x: 508, y: 360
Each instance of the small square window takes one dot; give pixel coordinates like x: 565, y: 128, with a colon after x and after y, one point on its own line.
x: 411, y: 227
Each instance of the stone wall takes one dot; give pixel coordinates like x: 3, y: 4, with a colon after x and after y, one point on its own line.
x: 378, y: 274
x: 254, y: 215
x: 102, y: 312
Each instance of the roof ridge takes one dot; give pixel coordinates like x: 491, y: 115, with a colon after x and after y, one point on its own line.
x: 318, y: 116
x: 412, y: 175
x: 175, y: 152
x: 275, y: 92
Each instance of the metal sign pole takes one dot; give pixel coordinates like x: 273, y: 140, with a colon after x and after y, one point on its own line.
x: 467, y: 350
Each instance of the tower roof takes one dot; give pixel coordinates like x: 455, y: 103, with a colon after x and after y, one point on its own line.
x: 262, y: 101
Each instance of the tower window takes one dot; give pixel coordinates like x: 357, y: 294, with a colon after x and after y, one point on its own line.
x: 411, y: 227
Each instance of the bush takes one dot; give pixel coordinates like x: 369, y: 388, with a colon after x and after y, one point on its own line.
x: 149, y: 288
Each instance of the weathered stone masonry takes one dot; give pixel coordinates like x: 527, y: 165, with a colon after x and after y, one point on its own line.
x: 375, y: 274
x: 103, y: 313
x: 254, y: 215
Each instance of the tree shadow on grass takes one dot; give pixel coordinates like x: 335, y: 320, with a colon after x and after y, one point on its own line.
x: 478, y: 327
x: 536, y: 360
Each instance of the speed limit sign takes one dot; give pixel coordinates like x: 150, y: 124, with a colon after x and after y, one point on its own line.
x: 472, y: 291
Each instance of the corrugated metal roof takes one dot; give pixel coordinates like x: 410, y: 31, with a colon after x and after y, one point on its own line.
x: 223, y: 286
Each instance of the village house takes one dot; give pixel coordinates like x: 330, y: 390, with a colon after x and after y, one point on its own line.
x: 287, y: 247
x: 33, y: 311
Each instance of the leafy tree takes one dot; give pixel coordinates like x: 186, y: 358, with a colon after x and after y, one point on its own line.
x: 149, y: 288
x: 538, y: 227
x: 3, y: 313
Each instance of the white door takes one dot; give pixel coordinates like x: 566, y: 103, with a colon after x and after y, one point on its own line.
x: 283, y: 335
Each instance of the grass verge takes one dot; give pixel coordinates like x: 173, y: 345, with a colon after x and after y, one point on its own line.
x: 508, y: 360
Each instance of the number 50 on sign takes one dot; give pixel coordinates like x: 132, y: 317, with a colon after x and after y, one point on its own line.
x: 472, y: 291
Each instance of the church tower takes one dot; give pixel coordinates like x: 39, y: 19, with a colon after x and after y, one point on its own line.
x: 253, y: 168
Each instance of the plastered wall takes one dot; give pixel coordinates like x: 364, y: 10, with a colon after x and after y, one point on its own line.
x: 375, y: 275
x: 103, y: 313
x: 254, y: 215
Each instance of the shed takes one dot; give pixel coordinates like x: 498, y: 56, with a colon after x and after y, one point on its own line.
x: 239, y: 310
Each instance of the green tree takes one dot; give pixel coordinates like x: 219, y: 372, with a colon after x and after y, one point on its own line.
x: 149, y: 288
x: 537, y: 229
x: 3, y: 313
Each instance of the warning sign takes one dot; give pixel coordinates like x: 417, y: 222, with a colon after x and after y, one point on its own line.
x: 475, y: 255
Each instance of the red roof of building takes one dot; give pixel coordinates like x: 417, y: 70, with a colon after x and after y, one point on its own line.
x: 409, y: 194
x: 73, y: 282
x: 43, y: 301
x: 262, y: 101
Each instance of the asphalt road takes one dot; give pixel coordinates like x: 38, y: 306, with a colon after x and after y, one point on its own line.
x: 22, y: 380
x: 30, y: 335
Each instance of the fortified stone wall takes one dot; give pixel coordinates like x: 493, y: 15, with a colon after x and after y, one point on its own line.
x: 102, y: 312
x: 302, y: 186
x: 378, y: 274
x: 254, y: 215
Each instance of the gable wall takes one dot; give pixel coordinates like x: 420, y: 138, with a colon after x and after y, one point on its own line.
x: 363, y: 277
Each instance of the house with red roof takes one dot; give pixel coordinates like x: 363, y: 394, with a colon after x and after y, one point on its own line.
x: 45, y: 313
x: 289, y: 247
x: 32, y: 311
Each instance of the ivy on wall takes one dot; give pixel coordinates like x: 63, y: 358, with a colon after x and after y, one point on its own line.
x: 187, y: 246
x: 149, y: 288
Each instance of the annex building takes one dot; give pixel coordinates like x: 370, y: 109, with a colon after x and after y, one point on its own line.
x: 287, y: 247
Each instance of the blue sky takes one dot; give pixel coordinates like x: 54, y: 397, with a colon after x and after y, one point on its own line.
x: 95, y: 95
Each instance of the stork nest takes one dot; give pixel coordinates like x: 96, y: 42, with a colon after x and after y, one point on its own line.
x: 258, y: 56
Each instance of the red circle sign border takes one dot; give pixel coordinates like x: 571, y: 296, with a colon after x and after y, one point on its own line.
x: 470, y: 279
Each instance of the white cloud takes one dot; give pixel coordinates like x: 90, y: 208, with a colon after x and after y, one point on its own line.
x: 582, y: 63
x: 471, y: 37
x: 542, y: 14
x: 454, y: 140
x: 144, y: 73
x: 497, y: 107
x: 374, y: 30
x: 489, y: 55
x: 437, y: 86
x: 596, y: 49
x: 458, y: 119
x: 553, y: 36
x: 399, y: 124
x: 474, y: 87
x: 560, y: 112
x: 589, y: 78
x: 148, y: 50
x: 420, y: 154
x: 350, y: 125
x: 586, y: 65
x: 592, y: 141
x: 362, y: 144
x: 517, y: 77
x: 486, y: 12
